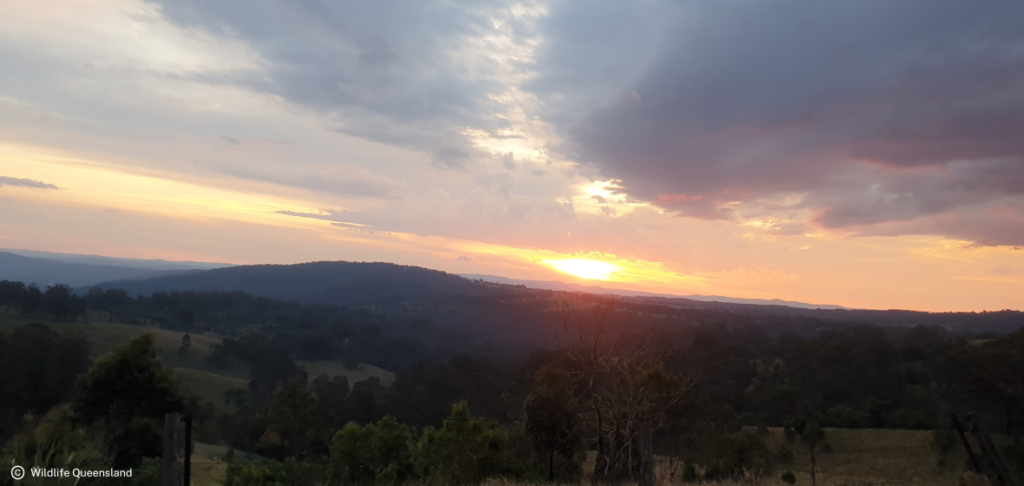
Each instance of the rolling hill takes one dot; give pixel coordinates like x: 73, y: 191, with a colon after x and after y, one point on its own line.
x: 329, y: 283
x: 43, y: 272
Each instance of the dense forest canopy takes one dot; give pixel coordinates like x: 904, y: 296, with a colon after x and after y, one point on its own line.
x: 707, y: 373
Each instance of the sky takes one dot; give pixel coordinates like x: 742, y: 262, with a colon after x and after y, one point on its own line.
x: 867, y: 154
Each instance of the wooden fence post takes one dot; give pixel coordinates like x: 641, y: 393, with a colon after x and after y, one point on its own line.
x: 188, y: 450
x: 170, y: 469
x: 646, y: 455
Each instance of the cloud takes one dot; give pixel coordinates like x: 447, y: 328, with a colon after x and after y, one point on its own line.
x: 869, y: 113
x: 407, y: 74
x: 1001, y: 225
x: 346, y: 180
x: 34, y: 184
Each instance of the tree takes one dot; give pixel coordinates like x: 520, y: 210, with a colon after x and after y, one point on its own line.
x: 61, y: 301
x: 294, y: 422
x: 11, y: 292
x: 54, y: 441
x: 620, y: 384
x: 39, y: 371
x: 747, y: 453
x: 331, y: 393
x: 130, y: 391
x: 371, y: 454
x: 811, y: 435
x: 31, y: 299
x: 186, y: 343
x: 462, y: 451
x: 551, y: 417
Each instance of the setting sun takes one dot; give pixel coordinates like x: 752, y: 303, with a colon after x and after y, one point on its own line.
x: 583, y: 268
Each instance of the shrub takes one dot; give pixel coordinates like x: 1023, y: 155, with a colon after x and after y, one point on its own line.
x: 377, y: 453
x: 462, y: 451
x: 273, y: 473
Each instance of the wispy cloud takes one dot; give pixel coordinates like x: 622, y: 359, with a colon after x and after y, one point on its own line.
x: 34, y: 184
x: 345, y: 180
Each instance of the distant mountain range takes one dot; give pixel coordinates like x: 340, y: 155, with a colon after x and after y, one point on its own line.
x: 568, y: 287
x: 115, y: 261
x: 45, y: 268
x: 43, y: 272
x: 486, y: 305
x: 365, y: 283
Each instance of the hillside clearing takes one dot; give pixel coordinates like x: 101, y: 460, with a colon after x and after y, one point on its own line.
x: 334, y: 368
x: 210, y: 387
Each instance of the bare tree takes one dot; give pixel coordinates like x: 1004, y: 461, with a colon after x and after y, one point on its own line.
x: 619, y: 382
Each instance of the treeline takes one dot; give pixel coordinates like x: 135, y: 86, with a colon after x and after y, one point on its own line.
x: 39, y: 367
x: 861, y: 377
x: 58, y: 300
x: 303, y: 331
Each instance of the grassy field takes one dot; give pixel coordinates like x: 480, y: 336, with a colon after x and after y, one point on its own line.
x: 208, y: 465
x: 195, y: 376
x: 105, y: 336
x: 862, y: 456
x: 334, y: 368
x: 210, y: 387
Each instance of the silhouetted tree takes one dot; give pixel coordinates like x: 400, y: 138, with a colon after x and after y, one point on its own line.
x: 130, y: 391
x: 61, y: 301
x: 551, y: 418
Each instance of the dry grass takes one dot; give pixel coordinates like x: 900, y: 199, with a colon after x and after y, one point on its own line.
x: 872, y: 455
x: 334, y: 368
x: 208, y: 465
x: 860, y: 457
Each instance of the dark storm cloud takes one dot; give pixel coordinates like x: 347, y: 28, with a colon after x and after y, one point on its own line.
x: 31, y: 183
x: 874, y: 111
x: 592, y: 50
x: 386, y: 70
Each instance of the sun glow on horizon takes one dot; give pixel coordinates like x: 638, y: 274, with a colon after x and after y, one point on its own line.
x: 585, y: 268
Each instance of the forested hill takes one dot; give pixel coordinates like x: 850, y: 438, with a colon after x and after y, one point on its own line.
x: 500, y: 310
x: 332, y: 283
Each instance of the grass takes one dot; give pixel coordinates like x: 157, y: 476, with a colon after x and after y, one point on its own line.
x: 106, y: 336
x: 208, y: 465
x: 210, y: 387
x: 871, y: 456
x: 334, y: 368
x: 860, y: 457
x: 188, y: 365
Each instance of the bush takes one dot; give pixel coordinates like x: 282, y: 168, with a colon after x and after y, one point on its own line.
x: 273, y: 473
x: 690, y: 473
x: 462, y: 451
x: 377, y: 453
x: 845, y: 417
x: 788, y: 477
